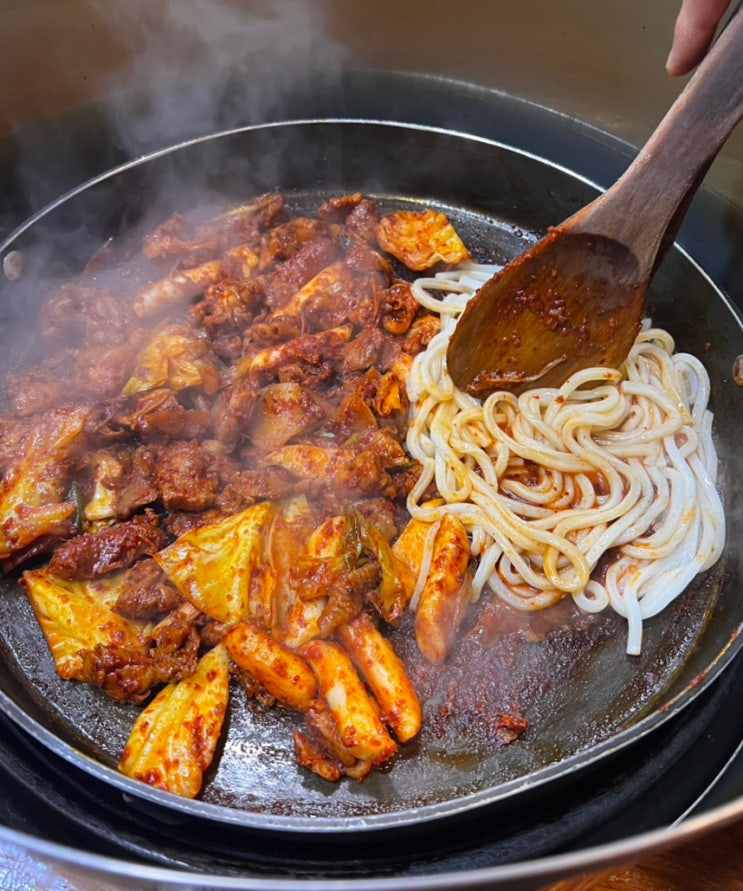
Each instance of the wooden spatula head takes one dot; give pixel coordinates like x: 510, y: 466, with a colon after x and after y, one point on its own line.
x: 573, y: 300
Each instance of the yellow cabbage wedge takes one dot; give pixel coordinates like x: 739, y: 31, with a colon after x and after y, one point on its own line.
x: 218, y: 568
x: 176, y: 358
x: 174, y: 739
x: 76, y: 615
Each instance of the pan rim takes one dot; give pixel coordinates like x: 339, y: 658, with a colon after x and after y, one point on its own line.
x: 549, y: 868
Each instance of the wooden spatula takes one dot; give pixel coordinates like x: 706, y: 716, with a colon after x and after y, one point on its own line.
x: 576, y: 299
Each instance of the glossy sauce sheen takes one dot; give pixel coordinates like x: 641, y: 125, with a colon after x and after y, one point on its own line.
x: 548, y: 314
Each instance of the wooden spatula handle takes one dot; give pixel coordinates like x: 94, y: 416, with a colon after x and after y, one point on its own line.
x: 657, y: 187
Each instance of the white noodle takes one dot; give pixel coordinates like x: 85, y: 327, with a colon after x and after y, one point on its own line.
x: 546, y: 483
x: 425, y: 564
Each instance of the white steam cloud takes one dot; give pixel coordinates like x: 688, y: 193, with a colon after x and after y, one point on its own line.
x: 183, y: 69
x: 193, y: 67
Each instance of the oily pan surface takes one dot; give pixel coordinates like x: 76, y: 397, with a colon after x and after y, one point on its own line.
x: 570, y: 678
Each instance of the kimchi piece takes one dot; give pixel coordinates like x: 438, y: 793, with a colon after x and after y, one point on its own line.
x: 421, y: 240
x: 36, y: 463
x: 76, y: 616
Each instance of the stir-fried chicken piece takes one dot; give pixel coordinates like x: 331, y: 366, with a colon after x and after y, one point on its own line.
x: 232, y: 410
x: 94, y: 554
x: 72, y: 377
x: 228, y: 305
x: 75, y: 315
x: 284, y: 282
x: 146, y: 593
x: 135, y: 487
x: 362, y: 222
x: 286, y: 240
x: 310, y: 358
x: 176, y: 290
x: 102, y: 372
x: 399, y: 308
x: 158, y: 415
x: 265, y: 484
x: 337, y: 208
x: 361, y: 466
x: 41, y: 387
x: 177, y: 237
x: 186, y: 476
x: 358, y: 215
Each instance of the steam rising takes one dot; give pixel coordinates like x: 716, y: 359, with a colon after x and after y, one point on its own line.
x: 205, y: 65
x: 186, y: 68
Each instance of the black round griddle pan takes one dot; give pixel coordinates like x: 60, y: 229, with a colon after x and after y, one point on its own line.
x: 585, y: 699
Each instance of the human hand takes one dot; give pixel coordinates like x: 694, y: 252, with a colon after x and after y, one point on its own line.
x: 695, y: 27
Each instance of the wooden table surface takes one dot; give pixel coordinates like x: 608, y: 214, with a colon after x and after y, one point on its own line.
x: 712, y: 862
